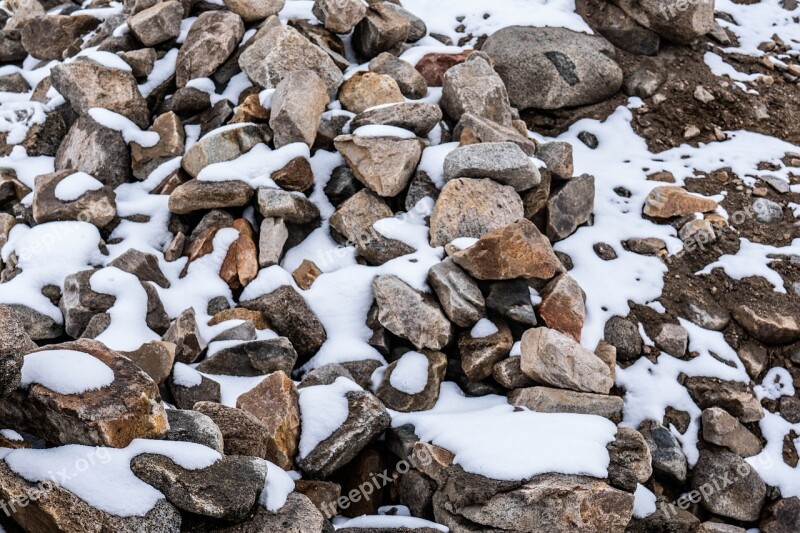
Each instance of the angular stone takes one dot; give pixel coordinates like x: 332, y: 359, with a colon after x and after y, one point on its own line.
x: 291, y: 207
x: 733, y: 396
x: 283, y: 49
x: 11, y: 49
x: 298, y: 515
x: 323, y: 494
x: 296, y: 175
x: 419, y: 117
x: 433, y: 66
x: 228, y: 489
x: 473, y: 129
x: 783, y: 516
x: 624, y: 335
x: 770, y: 327
x: 141, y: 61
x: 339, y: 16
x: 271, y: 240
x: 384, y: 164
x: 96, y: 150
x: 367, y: 89
x: 473, y: 208
x: 190, y: 426
x: 512, y: 301
x: 508, y: 373
x: 554, y: 359
x: 240, y: 266
x: 400, y: 395
x: 47, y: 37
x: 479, y: 354
x: 196, y: 195
x: 155, y: 358
x: 157, y: 24
x: 459, y: 295
x: 224, y: 145
x: 86, y: 84
x: 549, y: 400
x: 274, y: 402
x: 722, y: 429
x: 474, y: 87
x: 563, y: 306
x: 306, y: 274
x: 412, y: 84
x: 381, y: 28
x: 742, y: 498
x: 629, y: 460
x: 570, y: 206
x: 672, y: 338
x: 411, y: 314
x: 242, y: 433
x: 251, y: 10
x: 665, y: 450
x: 210, y: 41
x: 618, y: 27
x: 514, y: 251
x: 355, y: 219
x: 96, y: 206
x: 129, y: 408
x: 184, y: 333
x: 297, y: 106
x: 503, y: 162
x: 669, y: 201
x: 171, y: 141
x: 14, y: 344
x: 253, y: 358
x: 187, y: 396
x: 672, y: 19
x: 553, y: 68
x: 557, y: 156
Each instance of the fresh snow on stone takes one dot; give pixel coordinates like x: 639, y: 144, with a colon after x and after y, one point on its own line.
x: 65, y: 371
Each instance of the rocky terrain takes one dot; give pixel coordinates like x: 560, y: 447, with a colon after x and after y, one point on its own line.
x: 298, y: 266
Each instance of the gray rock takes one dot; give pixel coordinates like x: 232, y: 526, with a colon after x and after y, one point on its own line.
x: 251, y: 10
x: 410, y: 81
x: 645, y: 80
x: 474, y: 87
x: 339, y: 16
x: 557, y: 155
x: 508, y: 373
x: 186, y: 397
x: 400, y: 400
x: 381, y: 28
x: 570, y: 206
x: 552, y: 68
x: 672, y: 338
x: 732, y: 488
x: 141, y: 61
x: 629, y: 460
x: 142, y: 265
x: 157, y: 24
x: 665, y: 450
x: 210, y: 41
x: 733, y: 396
x: 253, y: 358
x: 619, y: 27
x: 96, y: 207
x: 472, y: 208
x: 298, y: 515
x: 384, y: 164
x: 783, y: 516
x: 474, y: 129
x: 242, y: 433
x: 184, y: 333
x: 419, y: 117
x: 272, y: 237
x: 672, y: 19
x: 458, y: 293
x: 48, y: 37
x: 722, y: 429
x: 99, y: 151
x: 552, y: 358
x: 228, y: 489
x: 512, y: 300
x: 291, y: 207
x: 224, y: 145
x: 624, y: 336
x: 14, y: 344
x: 411, y: 314
x: 767, y: 211
x: 504, y: 162
x: 283, y: 49
x: 196, y: 195
x: 297, y: 106
x: 191, y: 426
x: 11, y: 49
x: 342, y: 185
x: 549, y: 400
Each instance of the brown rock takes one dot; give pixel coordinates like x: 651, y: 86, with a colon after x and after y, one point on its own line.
x: 433, y: 66
x: 667, y: 202
x: 563, y: 308
x: 155, y: 358
x: 297, y: 106
x: 479, y: 354
x: 384, y: 164
x: 47, y: 37
x: 722, y: 429
x: 170, y: 144
x: 368, y: 89
x: 400, y: 400
x: 211, y: 39
x: 196, y: 195
x: 157, y: 24
x: 735, y: 397
x: 295, y: 176
x: 240, y: 266
x: 770, y: 327
x: 306, y: 274
x: 242, y: 433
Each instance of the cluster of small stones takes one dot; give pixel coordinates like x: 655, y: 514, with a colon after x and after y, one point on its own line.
x: 493, y: 194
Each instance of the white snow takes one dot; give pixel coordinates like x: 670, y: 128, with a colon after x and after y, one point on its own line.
x: 644, y: 502
x: 76, y: 185
x: 483, y: 328
x: 776, y: 383
x: 379, y: 130
x: 277, y: 488
x: 323, y: 409
x: 387, y: 521
x: 130, y: 131
x: 410, y: 375
x: 185, y: 376
x: 753, y: 259
x: 10, y: 434
x: 65, y: 371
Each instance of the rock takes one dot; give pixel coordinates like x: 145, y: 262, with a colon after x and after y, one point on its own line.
x: 381, y: 28
x: 433, y: 66
x: 339, y: 16
x: 35, y: 324
x: 242, y: 433
x: 480, y: 353
x: 291, y: 207
x: 411, y: 314
x: 767, y: 211
x: 384, y: 164
x: 252, y: 358
x: 96, y: 206
x: 624, y: 335
x: 323, y: 494
x: 669, y: 201
x: 283, y: 49
x: 172, y: 140
x: 141, y: 61
x: 210, y: 41
x: 98, y: 151
x: 554, y: 359
x: 563, y: 307
x: 306, y: 274
x: 157, y: 24
x: 672, y: 338
x: 296, y: 175
x: 11, y: 48
x: 129, y: 408
x: 342, y: 185
x: 771, y: 327
x: 240, y: 266
x: 401, y: 392
x: 549, y: 400
x: 629, y: 460
x: 274, y: 402
x: 619, y: 28
x: 298, y: 515
x: 187, y: 395
x: 514, y: 251
x: 142, y: 265
x: 419, y: 117
x: 47, y: 37
x: 251, y: 10
x: 184, y: 333
x: 665, y: 450
x: 512, y: 301
x: 473, y: 129
x: 732, y: 488
x: 86, y: 84
x: 474, y: 87
x: 191, y: 426
x: 503, y: 162
x: 722, y: 429
x: 224, y: 145
x: 557, y: 155
x: 645, y: 80
x: 366, y: 419
x: 473, y: 208
x: 271, y: 239
x: 672, y: 19
x: 355, y: 219
x: 697, y: 233
x: 459, y: 295
x: 14, y: 344
x: 297, y: 106
x: 412, y: 84
x: 155, y: 358
x: 783, y: 516
x: 552, y: 68
x: 733, y: 396
x: 228, y: 489
x: 719, y: 527
x: 291, y: 317
x: 364, y: 90
x: 196, y: 195
x: 570, y: 206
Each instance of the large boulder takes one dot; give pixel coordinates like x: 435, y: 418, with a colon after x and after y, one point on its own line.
x: 675, y: 20
x: 210, y: 41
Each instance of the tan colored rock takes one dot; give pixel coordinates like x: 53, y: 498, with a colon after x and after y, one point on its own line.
x: 251, y: 10
x: 479, y: 354
x: 720, y: 428
x: 384, y: 164
x: 368, y: 89
x: 157, y: 24
x: 667, y: 202
x: 339, y: 16
x: 210, y: 41
x: 274, y: 402
x: 156, y: 358
x: 297, y: 106
x: 196, y: 195
x: 306, y: 274
x: 224, y: 145
x: 563, y: 307
x: 518, y: 250
x: 549, y: 400
x: 171, y: 140
x: 240, y: 266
